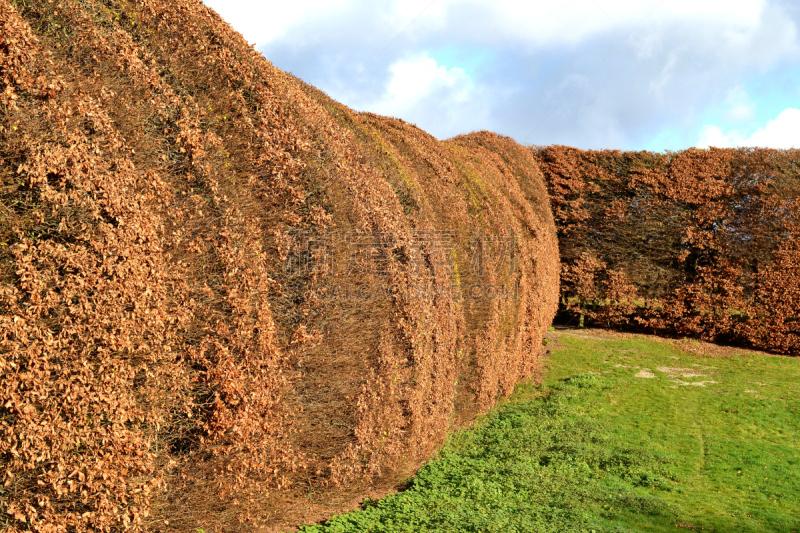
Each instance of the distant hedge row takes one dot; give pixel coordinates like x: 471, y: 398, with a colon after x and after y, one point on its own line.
x: 702, y: 243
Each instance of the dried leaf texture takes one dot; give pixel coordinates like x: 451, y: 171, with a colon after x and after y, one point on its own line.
x: 221, y: 291
x: 698, y: 243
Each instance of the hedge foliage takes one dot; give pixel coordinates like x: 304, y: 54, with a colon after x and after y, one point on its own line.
x: 186, y: 234
x: 700, y: 243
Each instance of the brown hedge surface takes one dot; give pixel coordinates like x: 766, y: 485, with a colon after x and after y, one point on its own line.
x: 703, y: 243
x: 223, y: 293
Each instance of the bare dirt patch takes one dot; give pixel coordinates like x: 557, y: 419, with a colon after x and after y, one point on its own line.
x: 682, y: 383
x: 679, y: 372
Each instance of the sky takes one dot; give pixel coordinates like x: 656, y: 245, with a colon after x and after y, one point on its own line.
x: 631, y: 75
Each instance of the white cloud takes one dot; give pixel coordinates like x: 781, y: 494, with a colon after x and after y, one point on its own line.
x: 781, y: 132
x: 263, y: 22
x: 415, y: 79
x: 714, y: 136
x: 420, y: 90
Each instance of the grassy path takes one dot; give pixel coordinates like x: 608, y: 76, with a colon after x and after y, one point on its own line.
x: 627, y: 433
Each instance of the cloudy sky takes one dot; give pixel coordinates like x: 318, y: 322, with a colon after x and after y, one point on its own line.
x: 646, y: 74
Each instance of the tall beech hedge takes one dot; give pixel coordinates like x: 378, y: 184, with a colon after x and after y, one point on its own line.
x: 701, y: 243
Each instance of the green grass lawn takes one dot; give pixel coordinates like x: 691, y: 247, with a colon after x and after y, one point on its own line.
x: 625, y: 434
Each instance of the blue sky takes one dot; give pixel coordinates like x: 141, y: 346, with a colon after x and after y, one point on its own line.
x: 634, y: 75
